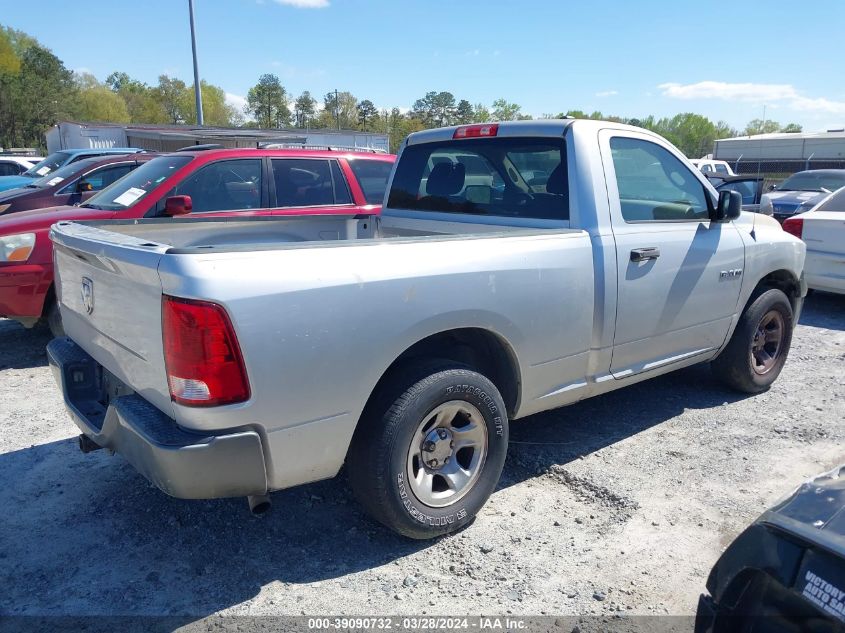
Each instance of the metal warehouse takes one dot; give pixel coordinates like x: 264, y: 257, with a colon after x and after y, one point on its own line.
x: 168, y: 138
x: 786, y: 151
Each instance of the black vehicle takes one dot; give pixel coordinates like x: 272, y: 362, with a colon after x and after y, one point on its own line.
x: 786, y: 572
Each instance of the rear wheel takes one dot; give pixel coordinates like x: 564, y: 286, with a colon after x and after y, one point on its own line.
x: 757, y: 351
x: 430, y: 450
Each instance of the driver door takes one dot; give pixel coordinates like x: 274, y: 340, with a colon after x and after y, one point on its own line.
x: 675, y: 296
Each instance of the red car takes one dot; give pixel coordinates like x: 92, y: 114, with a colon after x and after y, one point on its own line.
x: 72, y: 184
x: 216, y: 182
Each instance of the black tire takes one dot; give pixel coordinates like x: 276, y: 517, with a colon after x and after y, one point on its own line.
x: 378, y: 461
x: 739, y: 366
x: 54, y: 319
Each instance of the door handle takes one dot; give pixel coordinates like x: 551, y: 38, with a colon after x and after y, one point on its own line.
x: 644, y: 254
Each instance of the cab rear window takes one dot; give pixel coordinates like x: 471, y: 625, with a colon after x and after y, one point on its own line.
x: 493, y: 176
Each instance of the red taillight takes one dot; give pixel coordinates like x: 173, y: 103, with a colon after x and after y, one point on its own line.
x: 794, y: 226
x: 476, y: 131
x: 201, y: 354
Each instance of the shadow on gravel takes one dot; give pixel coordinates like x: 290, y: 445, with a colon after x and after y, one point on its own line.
x: 22, y: 348
x: 88, y: 535
x: 824, y: 309
x: 557, y: 437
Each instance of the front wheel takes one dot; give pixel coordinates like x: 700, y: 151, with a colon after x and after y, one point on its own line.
x: 429, y: 452
x: 756, y: 353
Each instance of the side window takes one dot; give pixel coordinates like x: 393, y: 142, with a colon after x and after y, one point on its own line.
x: 227, y: 185
x: 341, y: 189
x: 303, y: 182
x: 721, y: 169
x: 654, y: 186
x: 102, y: 178
x: 9, y: 169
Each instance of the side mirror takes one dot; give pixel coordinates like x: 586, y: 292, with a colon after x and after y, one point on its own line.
x: 83, y: 186
x: 728, y: 207
x: 178, y: 205
x: 771, y: 187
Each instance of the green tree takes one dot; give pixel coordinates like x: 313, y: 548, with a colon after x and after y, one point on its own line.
x: 305, y: 108
x: 96, y: 102
x: 10, y: 63
x: 366, y: 113
x: 32, y: 100
x: 140, y: 99
x: 215, y: 110
x: 267, y: 101
x: 339, y: 110
x: 435, y: 109
x: 396, y: 125
x: 464, y: 113
x: 792, y: 128
x: 171, y: 96
x: 480, y: 113
x: 758, y: 126
x: 692, y: 133
x: 505, y: 111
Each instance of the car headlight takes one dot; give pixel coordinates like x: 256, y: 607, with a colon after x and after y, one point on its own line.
x: 16, y: 248
x: 766, y: 206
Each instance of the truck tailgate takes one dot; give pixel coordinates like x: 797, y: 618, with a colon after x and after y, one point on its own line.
x: 109, y: 293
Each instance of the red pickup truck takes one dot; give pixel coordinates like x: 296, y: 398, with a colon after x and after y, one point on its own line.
x: 215, y: 182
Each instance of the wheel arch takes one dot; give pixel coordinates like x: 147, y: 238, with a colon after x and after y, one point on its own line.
x: 481, y: 349
x: 783, y: 280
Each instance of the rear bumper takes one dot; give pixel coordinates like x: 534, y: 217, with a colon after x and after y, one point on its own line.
x: 23, y: 288
x: 182, y: 464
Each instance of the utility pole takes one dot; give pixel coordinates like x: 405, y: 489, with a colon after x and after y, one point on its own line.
x: 197, y: 91
x: 336, y: 109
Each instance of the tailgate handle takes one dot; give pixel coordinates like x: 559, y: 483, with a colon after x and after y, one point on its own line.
x: 644, y: 254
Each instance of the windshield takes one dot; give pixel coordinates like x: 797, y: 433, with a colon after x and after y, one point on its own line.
x: 137, y: 184
x: 813, y: 181
x: 51, y: 163
x: 62, y: 173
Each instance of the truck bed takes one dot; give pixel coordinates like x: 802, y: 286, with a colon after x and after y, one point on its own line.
x: 227, y: 234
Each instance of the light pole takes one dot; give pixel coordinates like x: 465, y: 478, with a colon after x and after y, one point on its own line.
x: 336, y: 109
x: 197, y: 91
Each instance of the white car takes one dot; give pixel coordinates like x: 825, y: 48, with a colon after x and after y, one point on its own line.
x: 707, y: 166
x: 823, y: 230
x: 16, y: 165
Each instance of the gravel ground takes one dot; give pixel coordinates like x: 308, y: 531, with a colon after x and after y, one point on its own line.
x: 618, y: 504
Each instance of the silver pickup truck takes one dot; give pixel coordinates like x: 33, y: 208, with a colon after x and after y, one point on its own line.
x: 516, y: 267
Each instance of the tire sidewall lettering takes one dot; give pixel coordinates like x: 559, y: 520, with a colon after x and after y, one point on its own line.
x: 484, y: 399
x: 419, y: 515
